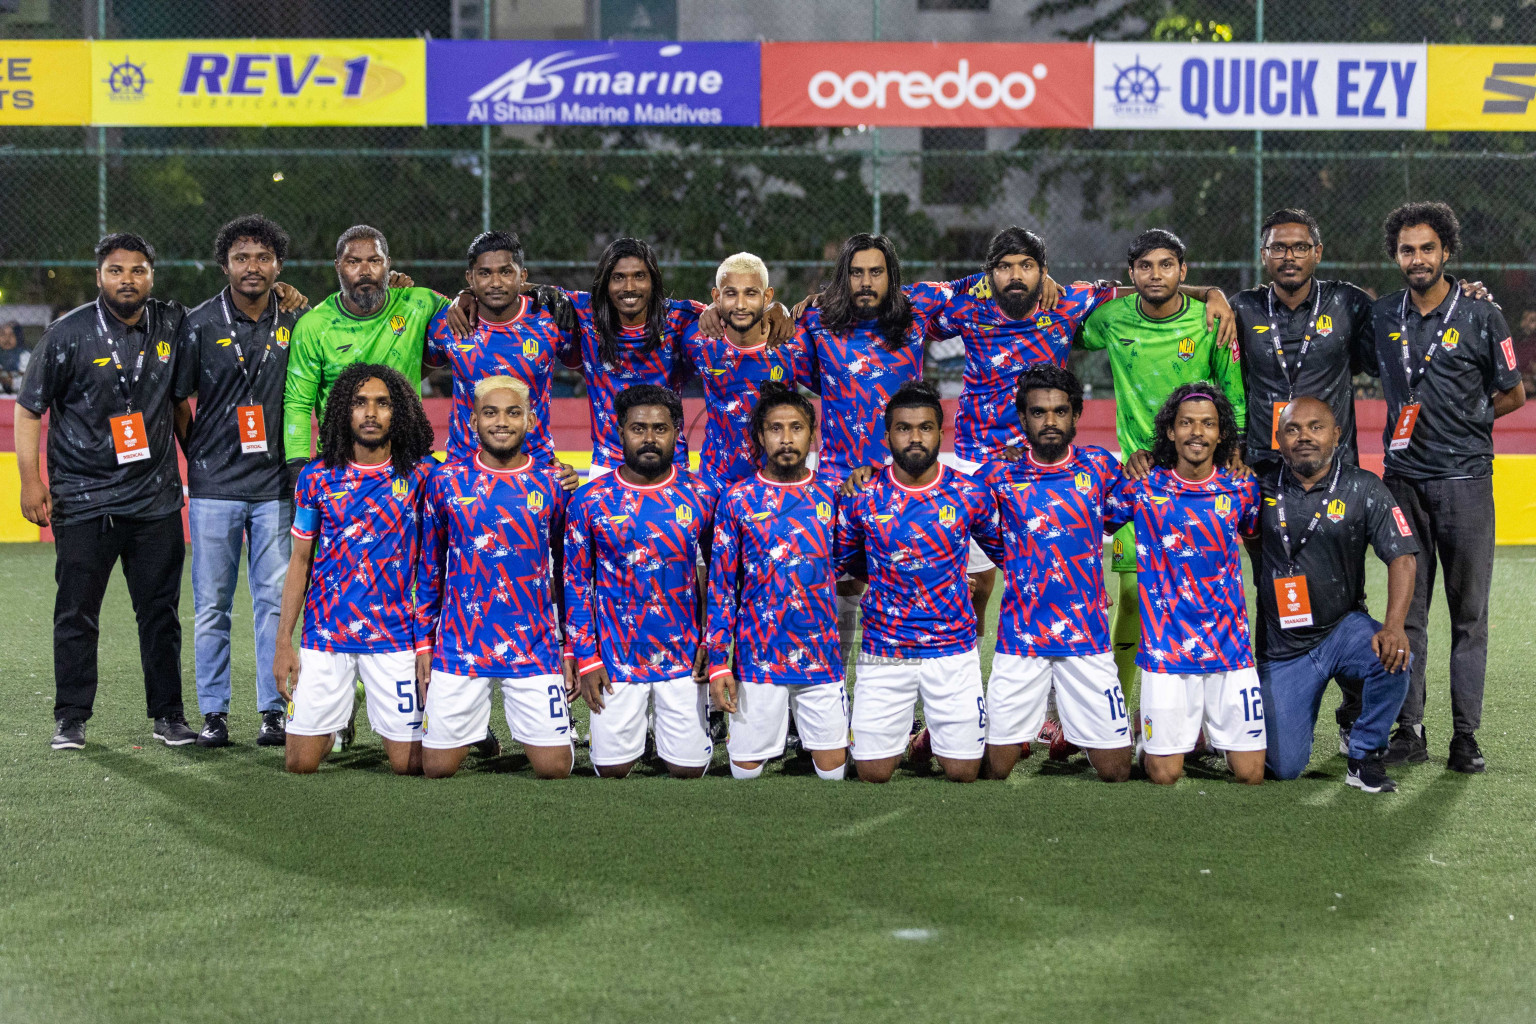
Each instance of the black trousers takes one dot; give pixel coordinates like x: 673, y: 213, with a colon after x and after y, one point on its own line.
x: 1453, y: 521
x: 85, y: 553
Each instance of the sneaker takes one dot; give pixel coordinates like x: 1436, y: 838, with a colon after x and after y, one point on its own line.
x: 1465, y: 755
x: 1409, y: 745
x: 1052, y: 734
x: 68, y: 735
x: 274, y: 733
x: 173, y: 730
x: 1368, y: 775
x: 488, y: 747
x: 719, y: 728
x: 215, y: 730
x: 1343, y: 741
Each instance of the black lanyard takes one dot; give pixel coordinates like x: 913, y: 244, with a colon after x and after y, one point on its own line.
x: 124, y: 384
x: 1306, y: 535
x: 1306, y: 341
x: 229, y: 320
x: 1414, y: 376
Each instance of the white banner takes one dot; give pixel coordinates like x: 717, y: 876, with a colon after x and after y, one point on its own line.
x: 1284, y: 86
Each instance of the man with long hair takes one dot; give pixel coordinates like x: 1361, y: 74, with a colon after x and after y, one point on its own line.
x: 357, y: 544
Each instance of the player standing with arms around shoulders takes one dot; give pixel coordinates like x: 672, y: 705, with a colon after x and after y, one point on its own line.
x: 357, y: 545
x: 493, y: 527
x: 1190, y: 513
x: 633, y: 597
x: 772, y: 590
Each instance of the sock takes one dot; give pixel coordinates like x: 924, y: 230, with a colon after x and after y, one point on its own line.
x: 738, y: 772
x: 835, y: 775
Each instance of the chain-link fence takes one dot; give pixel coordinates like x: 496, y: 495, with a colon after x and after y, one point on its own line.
x: 790, y: 195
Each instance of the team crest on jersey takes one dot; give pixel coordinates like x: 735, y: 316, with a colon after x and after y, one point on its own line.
x: 163, y: 350
x: 530, y: 348
x: 824, y: 511
x: 1324, y: 325
x: 397, y: 324
x: 1187, y: 349
x: 535, y: 501
x: 398, y: 487
x: 947, y: 515
x: 1336, y: 510
x: 1042, y: 321
x: 1117, y: 549
x: 283, y: 335
x: 1450, y: 339
x: 1083, y: 482
x: 1146, y: 726
x: 777, y: 373
x: 1223, y: 504
x: 684, y: 514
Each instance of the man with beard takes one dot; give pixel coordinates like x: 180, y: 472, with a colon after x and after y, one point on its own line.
x: 772, y: 585
x: 633, y: 606
x: 1319, y: 515
x: 494, y: 522
x: 908, y: 533
x: 1448, y: 369
x: 1053, y: 632
x: 1196, y: 659
x: 357, y: 546
x: 105, y: 372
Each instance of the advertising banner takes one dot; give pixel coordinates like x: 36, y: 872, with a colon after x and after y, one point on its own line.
x: 45, y: 81
x: 598, y: 83
x: 1286, y: 87
x: 977, y: 85
x: 259, y: 82
x: 1482, y: 88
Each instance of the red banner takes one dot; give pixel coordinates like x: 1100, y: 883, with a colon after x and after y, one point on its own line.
x: 929, y: 85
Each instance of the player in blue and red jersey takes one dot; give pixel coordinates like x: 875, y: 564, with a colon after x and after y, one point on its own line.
x: 772, y: 585
x: 518, y: 335
x: 734, y: 366
x: 357, y: 542
x: 632, y: 594
x: 908, y: 532
x: 1052, y: 630
x: 1196, y: 659
x: 494, y: 522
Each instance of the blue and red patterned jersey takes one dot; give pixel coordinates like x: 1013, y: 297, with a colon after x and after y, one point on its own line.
x: 484, y: 581
x: 732, y: 379
x: 1194, y: 615
x: 667, y: 366
x: 366, y: 522
x: 631, y: 583
x: 998, y: 351
x: 526, y: 347
x: 772, y: 583
x: 856, y: 374
x: 912, y: 544
x: 1050, y: 546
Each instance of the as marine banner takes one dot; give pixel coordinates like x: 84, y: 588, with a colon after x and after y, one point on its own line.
x: 45, y: 81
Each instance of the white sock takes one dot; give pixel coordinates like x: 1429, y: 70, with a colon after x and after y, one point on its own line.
x: 835, y: 775
x: 738, y: 772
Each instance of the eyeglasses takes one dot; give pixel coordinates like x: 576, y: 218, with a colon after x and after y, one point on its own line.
x: 1280, y: 252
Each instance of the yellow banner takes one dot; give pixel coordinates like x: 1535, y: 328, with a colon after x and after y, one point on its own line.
x: 259, y: 82
x: 1482, y: 88
x: 45, y: 81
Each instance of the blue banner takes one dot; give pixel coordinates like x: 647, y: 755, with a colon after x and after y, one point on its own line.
x: 592, y: 83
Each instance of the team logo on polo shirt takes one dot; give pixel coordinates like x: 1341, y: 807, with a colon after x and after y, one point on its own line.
x: 398, y: 487
x: 1223, y: 504
x: 1451, y: 338
x: 777, y: 373
x: 1324, y: 325
x: 1187, y: 349
x: 1042, y: 321
x: 1336, y: 510
x: 397, y: 324
x: 824, y: 511
x: 684, y: 514
x: 1083, y: 483
x: 947, y: 515
x: 283, y: 334
x: 163, y: 350
x: 530, y: 348
x: 535, y: 501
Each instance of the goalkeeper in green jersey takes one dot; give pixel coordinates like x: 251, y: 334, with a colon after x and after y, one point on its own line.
x: 1157, y: 339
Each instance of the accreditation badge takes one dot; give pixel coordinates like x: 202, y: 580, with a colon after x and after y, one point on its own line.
x: 1403, y: 432
x: 1292, y: 600
x: 252, y: 425
x: 129, y: 439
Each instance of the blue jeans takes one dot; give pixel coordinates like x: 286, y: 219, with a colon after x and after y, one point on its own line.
x: 218, y: 528
x: 1293, y: 690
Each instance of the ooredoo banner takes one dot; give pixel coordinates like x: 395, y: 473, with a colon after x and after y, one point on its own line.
x: 1285, y: 86
x: 976, y: 85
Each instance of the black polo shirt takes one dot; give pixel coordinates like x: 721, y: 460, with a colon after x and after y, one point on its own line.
x: 1453, y: 438
x: 1336, y: 317
x: 216, y: 338
x: 73, y: 377
x: 1360, y: 512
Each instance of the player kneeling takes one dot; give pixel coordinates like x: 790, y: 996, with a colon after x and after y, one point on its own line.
x: 493, y: 526
x: 356, y: 529
x: 772, y: 589
x: 1196, y: 660
x: 1053, y: 630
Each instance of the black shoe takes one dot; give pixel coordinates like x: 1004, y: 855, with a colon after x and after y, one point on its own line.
x: 1368, y: 775
x: 69, y: 735
x: 1409, y: 745
x: 719, y: 728
x: 215, y: 730
x: 273, y: 733
x: 488, y: 747
x: 173, y: 730
x: 1465, y: 755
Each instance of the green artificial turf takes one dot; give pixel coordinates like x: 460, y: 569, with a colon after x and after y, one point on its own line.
x: 148, y: 884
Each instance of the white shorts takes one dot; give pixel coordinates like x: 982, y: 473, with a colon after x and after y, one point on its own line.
x: 885, y: 693
x: 682, y: 727
x: 761, y: 719
x: 459, y: 710
x: 1226, y: 704
x: 977, y: 561
x: 1088, y: 700
x: 322, y: 700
